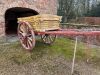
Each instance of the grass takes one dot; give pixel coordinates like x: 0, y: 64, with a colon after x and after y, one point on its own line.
x: 63, y: 46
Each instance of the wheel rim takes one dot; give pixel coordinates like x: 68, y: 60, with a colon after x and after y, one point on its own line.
x: 26, y: 35
x: 48, y: 39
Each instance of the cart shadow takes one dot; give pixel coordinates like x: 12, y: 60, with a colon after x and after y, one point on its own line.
x: 22, y: 56
x: 39, y: 50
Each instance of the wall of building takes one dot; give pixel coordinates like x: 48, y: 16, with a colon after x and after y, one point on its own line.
x: 41, y: 6
x: 92, y: 20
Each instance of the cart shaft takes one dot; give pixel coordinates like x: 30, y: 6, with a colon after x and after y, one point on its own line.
x: 70, y: 33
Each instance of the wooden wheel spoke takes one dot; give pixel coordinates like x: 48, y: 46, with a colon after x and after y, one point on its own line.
x: 43, y: 36
x: 21, y: 37
x: 48, y: 39
x: 29, y: 34
x: 27, y: 44
x: 30, y: 39
x: 30, y: 43
x: 21, y: 33
x: 24, y: 41
x: 22, y: 28
x: 27, y: 29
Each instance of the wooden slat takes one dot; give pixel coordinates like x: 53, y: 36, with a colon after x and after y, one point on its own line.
x: 43, y: 22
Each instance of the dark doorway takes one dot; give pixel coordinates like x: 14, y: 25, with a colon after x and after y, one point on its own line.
x: 11, y: 16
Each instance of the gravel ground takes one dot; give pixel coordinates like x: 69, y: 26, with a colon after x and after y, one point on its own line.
x: 57, y: 65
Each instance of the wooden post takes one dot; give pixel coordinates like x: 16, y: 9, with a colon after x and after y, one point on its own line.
x: 74, y: 56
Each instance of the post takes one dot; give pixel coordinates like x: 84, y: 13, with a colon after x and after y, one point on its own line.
x: 74, y: 55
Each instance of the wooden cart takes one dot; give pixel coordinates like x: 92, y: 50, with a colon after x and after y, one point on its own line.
x: 47, y: 26
x: 29, y: 27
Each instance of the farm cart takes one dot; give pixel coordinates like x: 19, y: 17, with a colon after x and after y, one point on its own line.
x: 47, y: 26
x: 29, y: 27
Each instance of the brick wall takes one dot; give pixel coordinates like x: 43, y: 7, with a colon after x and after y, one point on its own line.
x: 41, y: 6
x: 91, y: 20
x: 88, y: 20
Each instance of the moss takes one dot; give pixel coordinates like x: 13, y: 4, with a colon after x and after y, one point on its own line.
x: 62, y: 46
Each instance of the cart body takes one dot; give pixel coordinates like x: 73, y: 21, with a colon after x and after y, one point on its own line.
x: 47, y: 26
x: 29, y: 26
x: 43, y: 22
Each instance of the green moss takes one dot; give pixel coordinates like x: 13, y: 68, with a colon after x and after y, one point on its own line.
x: 62, y: 46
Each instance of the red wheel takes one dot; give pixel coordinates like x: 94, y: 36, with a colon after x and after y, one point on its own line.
x: 48, y: 39
x: 26, y: 35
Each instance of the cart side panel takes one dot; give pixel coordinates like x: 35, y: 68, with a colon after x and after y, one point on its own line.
x: 43, y: 22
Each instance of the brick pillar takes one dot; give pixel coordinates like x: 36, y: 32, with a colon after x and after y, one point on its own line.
x: 2, y: 26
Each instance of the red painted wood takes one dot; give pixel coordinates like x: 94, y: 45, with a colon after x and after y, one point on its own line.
x: 71, y: 32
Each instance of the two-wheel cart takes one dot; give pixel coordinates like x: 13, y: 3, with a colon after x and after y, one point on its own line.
x: 29, y: 27
x: 47, y: 26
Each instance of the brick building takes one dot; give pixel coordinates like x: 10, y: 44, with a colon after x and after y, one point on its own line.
x: 10, y: 10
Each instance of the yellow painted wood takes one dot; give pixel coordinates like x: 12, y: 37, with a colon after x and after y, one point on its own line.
x: 43, y: 22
